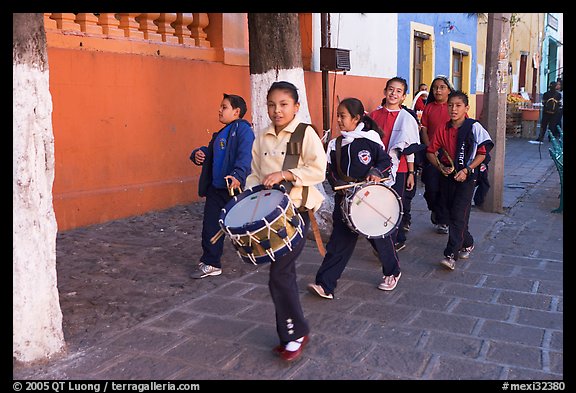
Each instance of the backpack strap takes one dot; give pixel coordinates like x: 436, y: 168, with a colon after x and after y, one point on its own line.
x: 293, y: 151
x: 338, y: 153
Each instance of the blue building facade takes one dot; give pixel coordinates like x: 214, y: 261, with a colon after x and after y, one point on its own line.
x: 450, y: 37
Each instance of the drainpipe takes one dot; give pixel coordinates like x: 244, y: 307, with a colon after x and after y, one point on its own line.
x: 325, y: 43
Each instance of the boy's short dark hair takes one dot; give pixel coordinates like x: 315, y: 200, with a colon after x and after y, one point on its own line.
x: 237, y: 102
x: 460, y: 94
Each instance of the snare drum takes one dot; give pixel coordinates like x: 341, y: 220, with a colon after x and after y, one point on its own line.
x: 262, y: 224
x: 372, y: 209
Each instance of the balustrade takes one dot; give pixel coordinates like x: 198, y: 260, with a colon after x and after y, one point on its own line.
x: 170, y: 28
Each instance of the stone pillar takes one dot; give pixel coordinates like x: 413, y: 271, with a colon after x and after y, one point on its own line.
x: 165, y: 28
x: 494, y: 112
x: 88, y: 23
x: 181, y: 28
x: 130, y: 26
x: 110, y: 25
x: 66, y: 21
x: 199, y: 23
x: 148, y: 27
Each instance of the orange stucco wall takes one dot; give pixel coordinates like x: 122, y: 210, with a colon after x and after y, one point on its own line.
x: 125, y: 124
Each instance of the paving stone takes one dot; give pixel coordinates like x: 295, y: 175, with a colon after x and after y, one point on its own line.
x: 453, y: 344
x: 545, y: 319
x: 455, y: 368
x: 511, y: 283
x: 445, y: 322
x: 397, y: 334
x: 398, y: 360
x: 556, y: 362
x: 527, y: 300
x: 315, y: 370
x: 557, y: 341
x: 143, y: 367
x: 483, y: 310
x: 468, y: 292
x: 515, y: 355
x: 227, y: 328
x: 513, y: 333
x: 522, y: 374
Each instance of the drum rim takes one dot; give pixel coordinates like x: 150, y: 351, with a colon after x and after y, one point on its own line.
x: 265, y: 258
x: 348, y: 216
x: 255, y: 225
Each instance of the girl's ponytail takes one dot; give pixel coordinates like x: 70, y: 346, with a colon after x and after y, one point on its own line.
x: 370, y: 124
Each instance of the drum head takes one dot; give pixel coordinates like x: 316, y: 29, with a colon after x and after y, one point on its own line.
x: 253, y: 207
x: 375, y: 210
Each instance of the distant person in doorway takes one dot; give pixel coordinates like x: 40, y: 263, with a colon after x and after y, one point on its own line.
x: 550, y: 112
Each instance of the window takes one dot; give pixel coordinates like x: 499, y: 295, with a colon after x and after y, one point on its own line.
x: 418, y: 63
x: 457, y: 68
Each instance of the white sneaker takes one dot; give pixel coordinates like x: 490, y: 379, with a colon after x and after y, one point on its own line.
x: 205, y: 270
x: 448, y: 262
x: 465, y: 252
x: 389, y: 282
x: 442, y: 229
x: 316, y: 289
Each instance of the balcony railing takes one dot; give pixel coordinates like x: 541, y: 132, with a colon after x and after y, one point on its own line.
x: 186, y: 29
x: 164, y: 34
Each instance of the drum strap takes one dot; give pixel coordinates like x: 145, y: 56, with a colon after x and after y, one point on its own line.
x: 316, y: 231
x: 293, y: 151
x: 338, y: 152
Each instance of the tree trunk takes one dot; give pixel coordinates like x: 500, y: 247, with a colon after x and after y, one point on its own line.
x: 275, y: 55
x: 37, y: 317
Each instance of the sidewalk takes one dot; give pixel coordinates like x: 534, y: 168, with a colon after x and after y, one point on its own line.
x: 498, y: 316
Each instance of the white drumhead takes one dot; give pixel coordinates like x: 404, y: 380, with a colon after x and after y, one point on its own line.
x: 253, y: 207
x: 375, y: 210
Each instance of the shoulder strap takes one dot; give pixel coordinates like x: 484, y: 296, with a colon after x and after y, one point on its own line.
x: 338, y: 153
x: 294, y: 147
x: 293, y: 151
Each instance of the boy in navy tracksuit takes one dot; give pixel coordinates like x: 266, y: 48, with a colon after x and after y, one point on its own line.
x: 467, y: 143
x: 362, y: 157
x: 225, y: 164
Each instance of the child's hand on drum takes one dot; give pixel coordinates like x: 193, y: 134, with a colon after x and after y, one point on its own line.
x: 276, y: 178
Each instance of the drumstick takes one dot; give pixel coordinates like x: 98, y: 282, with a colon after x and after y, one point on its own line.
x: 228, y: 186
x: 376, y: 210
x: 217, y: 236
x: 348, y: 186
x: 256, y: 207
x: 354, y: 184
x: 231, y: 189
